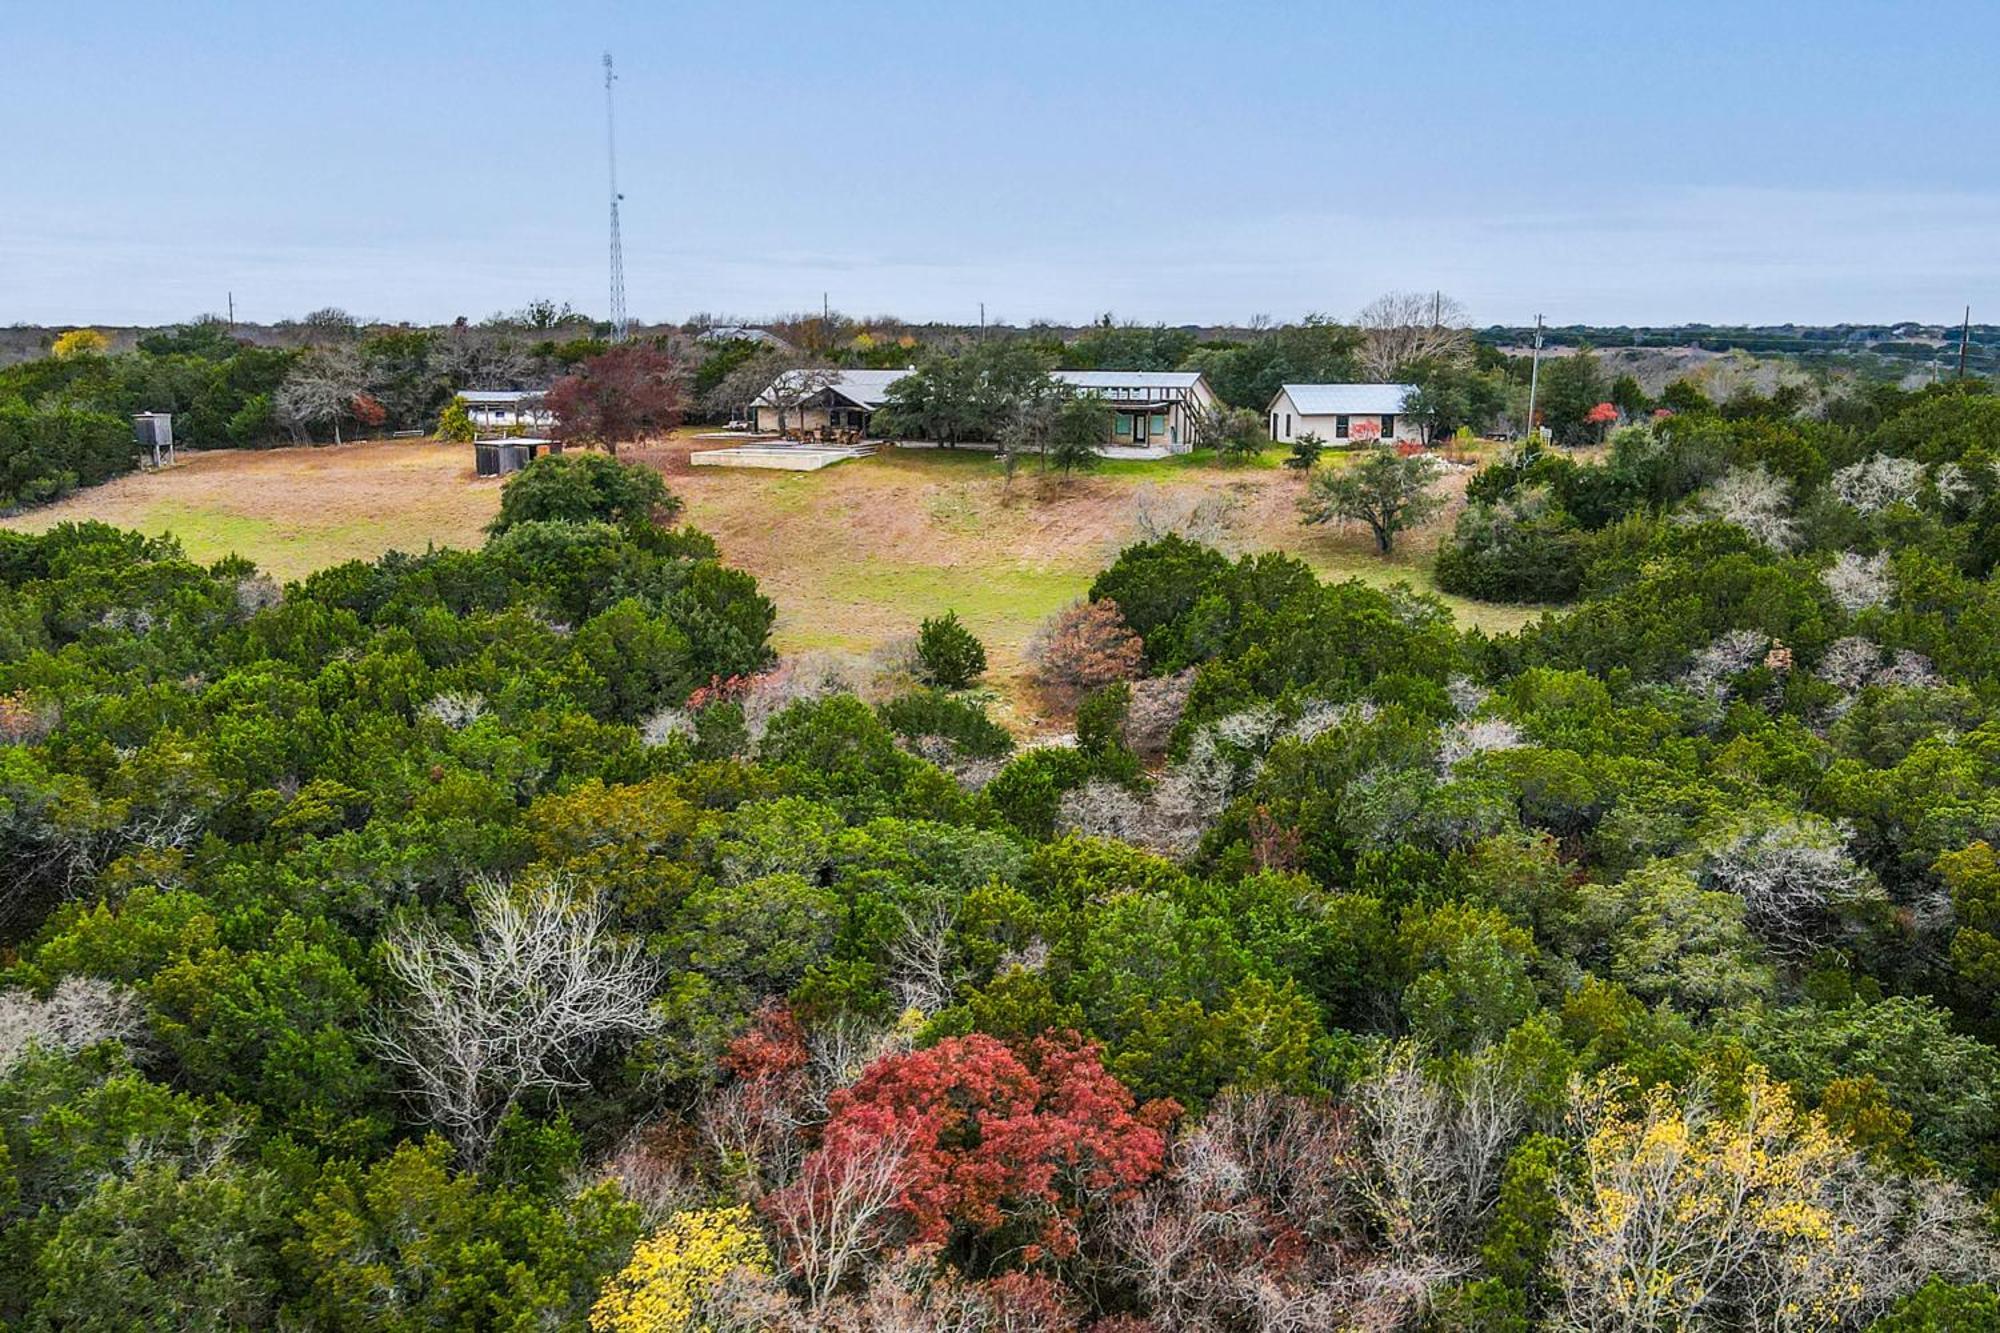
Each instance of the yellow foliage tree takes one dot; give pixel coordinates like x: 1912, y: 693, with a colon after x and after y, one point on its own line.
x: 79, y: 342
x: 1686, y: 1215
x: 677, y: 1270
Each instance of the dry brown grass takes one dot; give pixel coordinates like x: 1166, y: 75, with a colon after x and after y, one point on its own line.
x: 852, y: 555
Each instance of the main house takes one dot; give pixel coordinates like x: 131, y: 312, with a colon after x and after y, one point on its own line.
x: 1151, y: 409
x: 499, y: 410
x: 821, y: 400
x: 1342, y: 413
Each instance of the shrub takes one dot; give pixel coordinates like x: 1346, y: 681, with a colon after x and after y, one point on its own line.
x: 950, y: 654
x: 1082, y: 647
x: 1305, y: 452
x: 1523, y: 549
x: 586, y: 488
x: 47, y: 452
x: 454, y: 423
x: 964, y: 723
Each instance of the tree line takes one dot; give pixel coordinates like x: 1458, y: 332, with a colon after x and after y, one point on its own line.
x: 507, y: 937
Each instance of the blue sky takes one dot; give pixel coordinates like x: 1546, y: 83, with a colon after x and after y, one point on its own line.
x: 1600, y: 162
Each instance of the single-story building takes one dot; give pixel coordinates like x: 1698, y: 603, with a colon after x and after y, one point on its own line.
x: 497, y: 458
x: 1152, y: 409
x: 820, y: 399
x: 500, y: 410
x: 1342, y: 413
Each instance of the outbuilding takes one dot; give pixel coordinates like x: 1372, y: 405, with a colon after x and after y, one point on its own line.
x: 1343, y: 414
x: 498, y: 410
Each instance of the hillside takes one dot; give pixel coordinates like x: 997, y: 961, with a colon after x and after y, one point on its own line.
x: 853, y: 556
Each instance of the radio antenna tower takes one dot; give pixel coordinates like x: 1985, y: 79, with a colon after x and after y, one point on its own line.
x: 618, y: 320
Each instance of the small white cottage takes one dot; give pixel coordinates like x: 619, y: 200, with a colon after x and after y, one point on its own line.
x: 1342, y: 414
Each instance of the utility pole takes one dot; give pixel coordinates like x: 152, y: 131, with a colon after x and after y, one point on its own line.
x: 232, y: 312
x: 1534, y: 378
x: 1964, y: 338
x: 618, y: 321
x: 982, y: 321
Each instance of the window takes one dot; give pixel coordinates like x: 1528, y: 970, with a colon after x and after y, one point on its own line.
x: 1125, y: 424
x: 1288, y: 425
x: 1388, y: 425
x: 1274, y: 425
x: 1159, y: 423
x: 1340, y: 427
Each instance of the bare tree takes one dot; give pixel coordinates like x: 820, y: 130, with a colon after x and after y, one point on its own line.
x: 320, y: 389
x: 1798, y: 882
x: 1437, y: 1147
x: 1399, y: 329
x: 1859, y: 582
x: 80, y: 1012
x: 1755, y: 500
x: 921, y: 958
x: 829, y: 1220
x: 517, y: 1006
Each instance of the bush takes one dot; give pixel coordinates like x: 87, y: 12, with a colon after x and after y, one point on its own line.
x: 1518, y: 550
x: 962, y: 722
x: 47, y: 452
x: 951, y: 655
x: 454, y: 423
x: 1082, y: 647
x: 586, y: 488
x: 1305, y: 452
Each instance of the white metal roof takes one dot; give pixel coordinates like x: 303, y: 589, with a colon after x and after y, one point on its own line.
x: 1328, y: 400
x: 869, y: 388
x: 497, y: 397
x: 1128, y: 379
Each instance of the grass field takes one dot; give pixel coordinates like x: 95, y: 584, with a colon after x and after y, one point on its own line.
x: 852, y: 555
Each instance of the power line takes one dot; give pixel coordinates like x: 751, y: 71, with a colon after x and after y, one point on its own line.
x: 618, y: 321
x: 1534, y: 379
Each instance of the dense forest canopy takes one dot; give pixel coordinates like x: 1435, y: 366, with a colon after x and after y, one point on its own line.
x: 506, y: 938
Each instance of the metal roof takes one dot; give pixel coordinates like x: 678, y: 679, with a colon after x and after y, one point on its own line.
x: 1128, y: 379
x: 1329, y: 400
x: 496, y: 397
x: 865, y: 388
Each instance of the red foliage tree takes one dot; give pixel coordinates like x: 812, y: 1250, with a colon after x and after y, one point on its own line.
x: 368, y: 410
x: 992, y: 1139
x: 618, y: 396
x: 1085, y: 646
x: 1601, y: 415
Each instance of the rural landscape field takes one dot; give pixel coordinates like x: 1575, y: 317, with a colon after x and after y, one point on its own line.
x: 788, y: 667
x: 854, y: 556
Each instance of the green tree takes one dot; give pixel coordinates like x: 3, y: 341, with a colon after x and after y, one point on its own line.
x: 586, y: 488
x: 454, y: 423
x: 1388, y: 493
x: 1570, y: 387
x: 1079, y: 431
x: 951, y: 654
x: 1305, y: 452
x: 165, y: 1248
x: 1240, y: 434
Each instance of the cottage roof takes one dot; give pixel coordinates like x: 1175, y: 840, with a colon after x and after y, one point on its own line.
x: 1326, y: 400
x: 864, y: 388
x: 1128, y: 379
x: 496, y: 397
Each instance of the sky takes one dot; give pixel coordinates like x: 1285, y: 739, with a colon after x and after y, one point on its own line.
x: 1599, y: 163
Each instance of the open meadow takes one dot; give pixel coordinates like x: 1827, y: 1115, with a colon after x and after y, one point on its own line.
x: 852, y: 555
